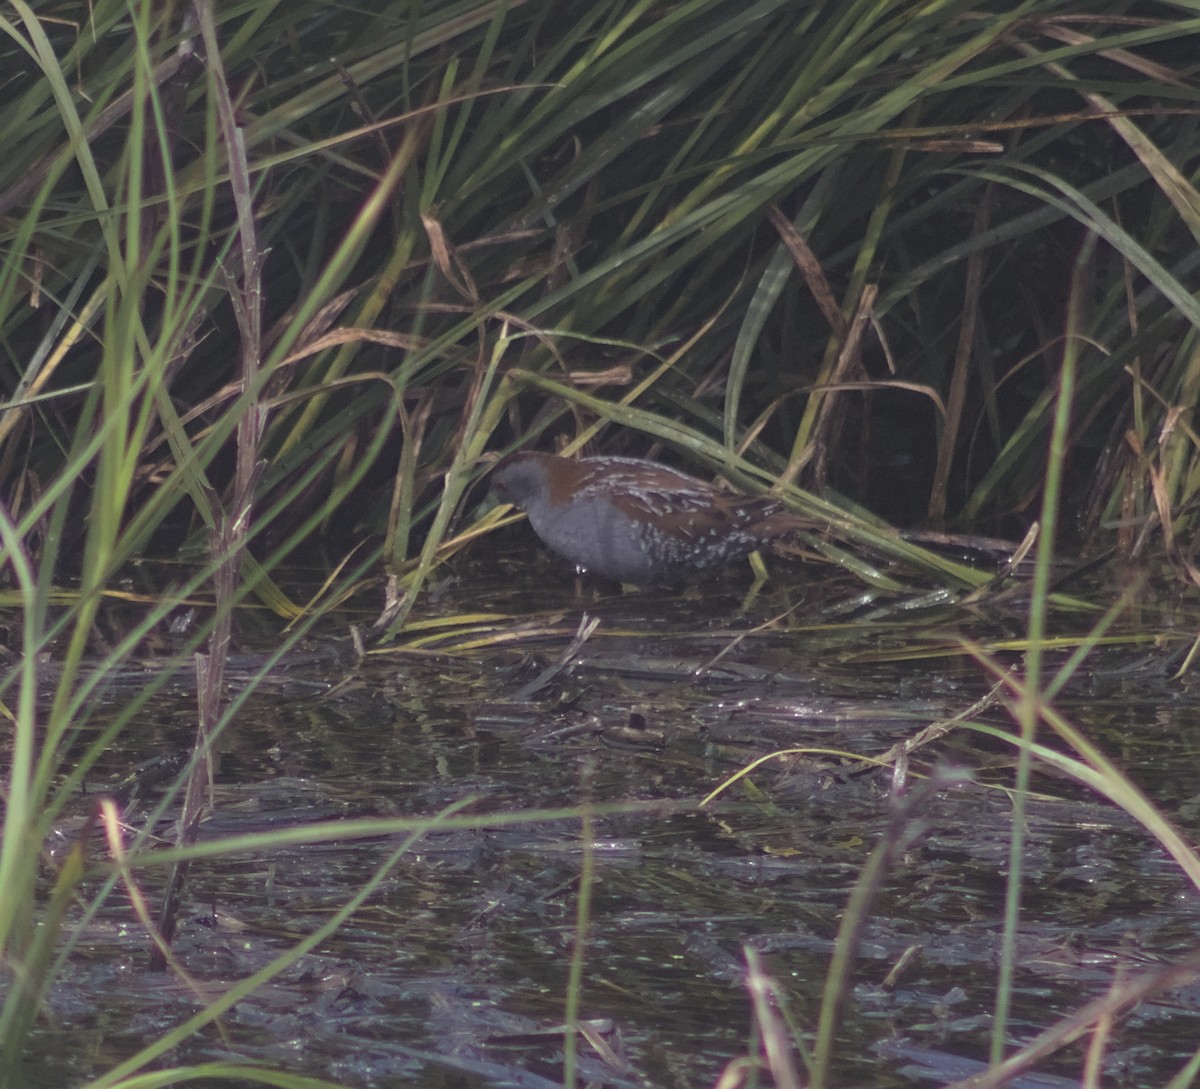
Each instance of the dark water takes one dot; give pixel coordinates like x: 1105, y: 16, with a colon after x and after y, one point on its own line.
x: 455, y: 971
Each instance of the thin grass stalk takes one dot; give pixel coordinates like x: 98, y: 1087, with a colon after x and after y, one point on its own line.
x: 1027, y: 710
x: 85, y: 691
x: 49, y: 950
x: 1010, y: 231
x: 858, y: 301
x: 138, y: 850
x: 223, y: 1073
x: 131, y: 365
x: 31, y: 958
x: 101, y: 551
x: 63, y: 334
x: 66, y: 783
x: 78, y: 147
x: 773, y: 1039
x: 1188, y: 1073
x: 489, y: 400
x: 228, y: 536
x: 1100, y: 774
x: 967, y: 344
x: 578, y: 961
x: 134, y: 365
x: 349, y: 829
x: 309, y: 100
x: 846, y: 522
x: 1096, y: 635
x: 452, y: 817
x: 335, y: 273
x: 768, y: 290
x: 820, y: 406
x: 1097, y: 1047
x: 895, y: 839
x: 857, y: 19
x: 243, y: 988
x: 119, y: 430
x: 413, y: 425
x: 20, y: 833
x: 1163, y: 280
x: 42, y: 174
x: 24, y: 1002
x: 1121, y: 999
x: 1171, y: 181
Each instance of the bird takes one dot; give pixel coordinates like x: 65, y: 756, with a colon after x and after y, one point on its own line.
x: 635, y: 520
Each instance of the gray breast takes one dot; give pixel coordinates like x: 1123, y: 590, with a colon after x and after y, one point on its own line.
x: 597, y: 537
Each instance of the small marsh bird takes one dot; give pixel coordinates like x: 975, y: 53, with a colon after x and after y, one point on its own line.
x: 635, y: 520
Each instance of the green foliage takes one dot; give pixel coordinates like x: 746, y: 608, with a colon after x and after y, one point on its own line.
x: 248, y: 292
x: 600, y: 177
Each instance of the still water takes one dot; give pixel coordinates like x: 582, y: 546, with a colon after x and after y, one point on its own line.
x: 455, y: 971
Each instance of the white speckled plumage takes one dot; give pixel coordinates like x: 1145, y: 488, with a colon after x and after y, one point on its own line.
x: 635, y: 520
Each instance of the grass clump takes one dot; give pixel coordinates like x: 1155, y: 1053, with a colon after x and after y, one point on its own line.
x: 256, y: 302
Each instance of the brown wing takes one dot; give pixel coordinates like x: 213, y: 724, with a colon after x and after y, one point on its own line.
x: 684, y: 506
x: 760, y: 519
